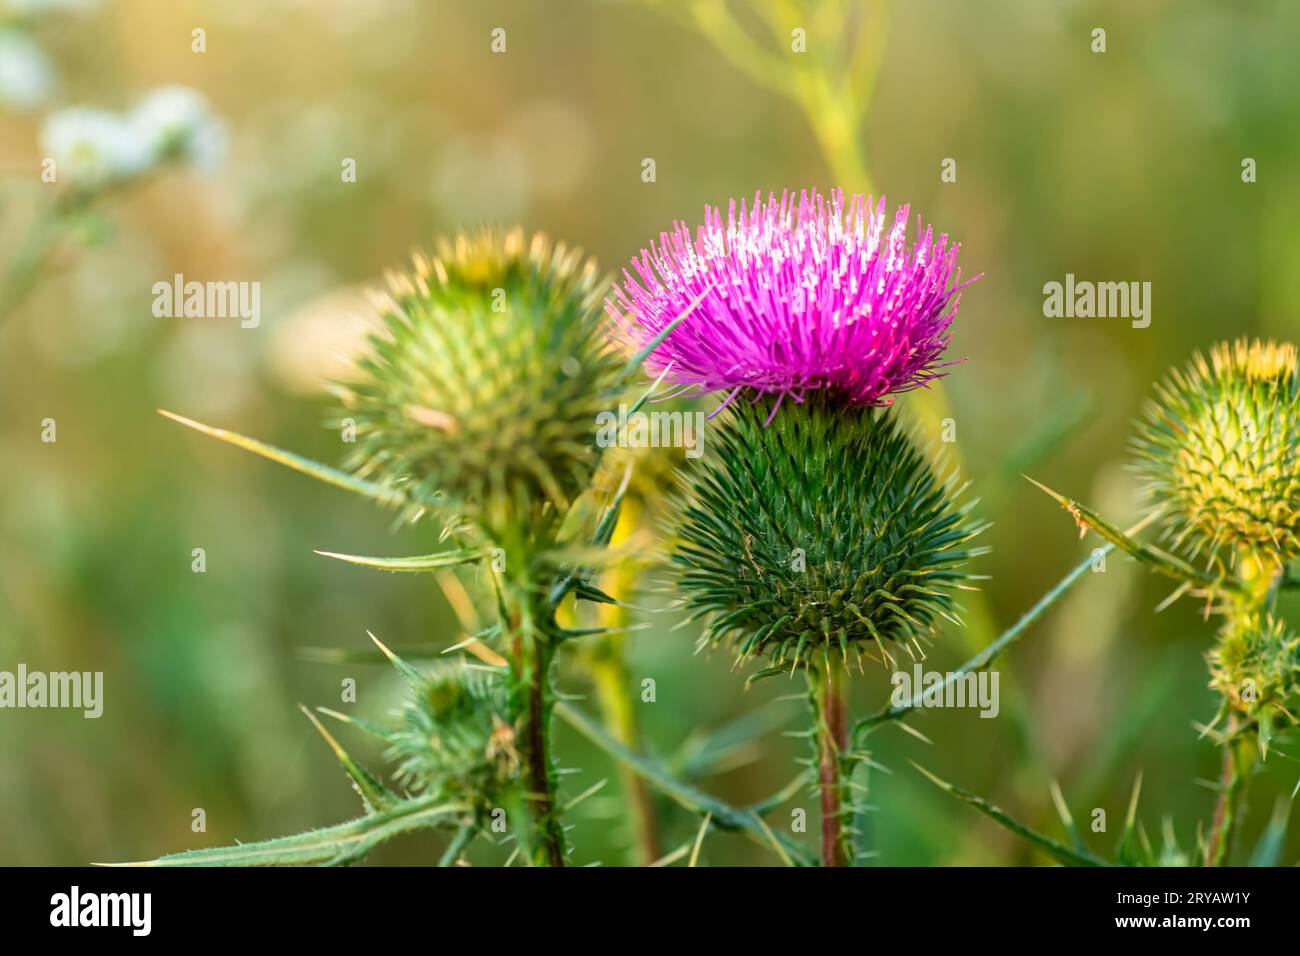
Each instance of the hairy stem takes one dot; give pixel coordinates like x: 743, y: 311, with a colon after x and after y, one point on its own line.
x: 828, y: 690
x: 532, y: 654
x: 1260, y: 582
x: 1232, y: 788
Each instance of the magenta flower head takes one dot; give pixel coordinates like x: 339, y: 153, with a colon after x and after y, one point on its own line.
x: 798, y: 295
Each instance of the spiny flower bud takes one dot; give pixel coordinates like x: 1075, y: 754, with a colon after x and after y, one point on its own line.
x: 819, y: 533
x: 454, y: 739
x: 488, y: 382
x: 1255, y: 666
x: 1218, y: 449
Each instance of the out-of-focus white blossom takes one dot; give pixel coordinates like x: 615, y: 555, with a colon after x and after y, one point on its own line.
x: 26, y: 77
x: 176, y: 122
x: 92, y: 146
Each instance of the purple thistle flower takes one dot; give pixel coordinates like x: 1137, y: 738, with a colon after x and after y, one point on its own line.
x: 798, y: 295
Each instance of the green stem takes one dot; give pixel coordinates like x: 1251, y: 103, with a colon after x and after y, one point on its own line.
x: 531, y: 656
x: 1260, y: 582
x: 464, y: 836
x: 28, y: 262
x: 828, y: 695
x: 1233, y: 780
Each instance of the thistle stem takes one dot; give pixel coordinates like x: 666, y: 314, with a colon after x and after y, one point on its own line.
x: 463, y: 838
x: 532, y: 655
x: 1237, y: 760
x: 1260, y: 581
x: 828, y: 690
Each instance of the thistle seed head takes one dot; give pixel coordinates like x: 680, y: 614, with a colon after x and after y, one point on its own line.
x: 454, y: 739
x: 486, y: 385
x: 1219, y: 450
x: 819, y: 534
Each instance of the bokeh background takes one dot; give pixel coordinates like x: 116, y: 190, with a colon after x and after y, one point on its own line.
x: 1116, y: 166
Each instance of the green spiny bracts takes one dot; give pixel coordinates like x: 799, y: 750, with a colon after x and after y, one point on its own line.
x: 1220, y: 450
x: 819, y: 534
x: 486, y: 386
x: 454, y: 740
x: 1255, y: 666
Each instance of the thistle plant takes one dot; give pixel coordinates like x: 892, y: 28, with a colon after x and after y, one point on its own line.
x: 477, y: 404
x: 1217, y: 452
x: 484, y: 391
x: 817, y: 535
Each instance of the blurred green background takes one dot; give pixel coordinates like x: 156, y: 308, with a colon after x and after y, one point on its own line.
x: 1115, y: 166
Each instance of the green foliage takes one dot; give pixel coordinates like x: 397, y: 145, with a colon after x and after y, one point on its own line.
x: 823, y: 530
x: 1133, y: 847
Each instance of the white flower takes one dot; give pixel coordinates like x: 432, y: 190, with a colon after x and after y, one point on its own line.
x: 25, y: 75
x: 93, y: 146
x: 175, y: 122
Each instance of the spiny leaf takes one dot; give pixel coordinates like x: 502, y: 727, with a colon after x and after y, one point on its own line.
x: 375, y: 794
x: 1067, y: 821
x: 409, y: 672
x: 1158, y: 560
x: 331, y: 476
x: 342, y: 843
x: 424, y: 562
x: 649, y: 392
x: 1273, y: 840
x: 589, y: 592
x: 1127, y: 851
x: 375, y: 730
x: 1058, y: 851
